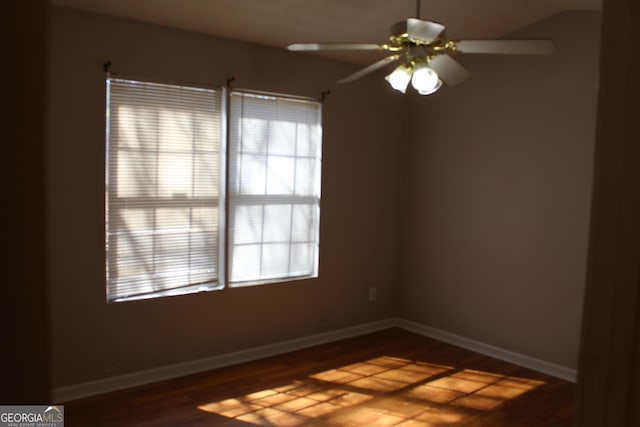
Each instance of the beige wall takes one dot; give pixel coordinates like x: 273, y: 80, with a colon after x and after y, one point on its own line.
x: 467, y: 210
x: 360, y: 210
x: 498, y: 197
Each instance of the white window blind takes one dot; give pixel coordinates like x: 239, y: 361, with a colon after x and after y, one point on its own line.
x: 162, y: 188
x: 274, y: 188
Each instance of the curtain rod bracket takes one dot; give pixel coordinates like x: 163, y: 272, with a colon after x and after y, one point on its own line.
x: 230, y: 80
x: 324, y: 94
x: 106, y: 66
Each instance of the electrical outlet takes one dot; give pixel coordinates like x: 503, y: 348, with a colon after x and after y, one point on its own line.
x: 373, y: 294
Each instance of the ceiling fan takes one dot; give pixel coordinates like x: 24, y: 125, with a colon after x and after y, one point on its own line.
x: 425, y: 54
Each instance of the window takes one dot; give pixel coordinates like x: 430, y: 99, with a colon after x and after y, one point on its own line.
x: 170, y: 207
x: 162, y: 188
x: 274, y: 188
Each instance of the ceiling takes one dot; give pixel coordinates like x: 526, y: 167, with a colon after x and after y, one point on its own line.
x: 278, y: 23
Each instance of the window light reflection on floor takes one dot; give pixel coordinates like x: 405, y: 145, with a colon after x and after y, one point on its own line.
x: 385, y: 391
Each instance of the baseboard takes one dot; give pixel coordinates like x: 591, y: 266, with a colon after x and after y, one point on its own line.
x: 63, y: 394
x: 548, y: 368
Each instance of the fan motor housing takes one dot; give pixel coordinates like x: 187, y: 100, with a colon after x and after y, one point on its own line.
x: 417, y: 31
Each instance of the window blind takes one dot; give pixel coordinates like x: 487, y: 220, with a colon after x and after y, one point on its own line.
x: 162, y: 188
x: 275, y: 146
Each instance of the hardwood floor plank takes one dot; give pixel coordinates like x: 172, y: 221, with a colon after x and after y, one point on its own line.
x: 388, y: 378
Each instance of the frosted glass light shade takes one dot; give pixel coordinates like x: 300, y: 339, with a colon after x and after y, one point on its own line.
x: 399, y: 78
x: 429, y: 92
x: 425, y: 80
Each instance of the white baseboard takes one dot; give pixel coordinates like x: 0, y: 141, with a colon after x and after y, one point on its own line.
x: 548, y: 368
x: 63, y: 394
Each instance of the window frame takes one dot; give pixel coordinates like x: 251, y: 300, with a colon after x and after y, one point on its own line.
x: 145, y: 118
x: 274, y: 199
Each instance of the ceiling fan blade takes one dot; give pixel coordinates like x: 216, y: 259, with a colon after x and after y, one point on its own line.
x: 379, y: 64
x: 449, y: 70
x: 510, y: 47
x: 335, y: 46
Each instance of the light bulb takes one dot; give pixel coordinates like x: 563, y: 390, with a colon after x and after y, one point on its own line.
x: 429, y: 92
x: 399, y: 78
x: 425, y: 80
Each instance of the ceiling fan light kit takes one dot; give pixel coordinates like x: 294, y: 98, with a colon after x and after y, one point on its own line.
x: 422, y: 77
x: 427, y: 54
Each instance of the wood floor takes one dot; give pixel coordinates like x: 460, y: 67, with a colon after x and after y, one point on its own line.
x: 388, y: 378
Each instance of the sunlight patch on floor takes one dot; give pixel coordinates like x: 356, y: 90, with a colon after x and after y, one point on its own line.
x: 385, y: 391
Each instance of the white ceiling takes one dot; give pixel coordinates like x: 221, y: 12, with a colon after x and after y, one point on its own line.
x: 278, y: 23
